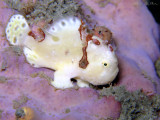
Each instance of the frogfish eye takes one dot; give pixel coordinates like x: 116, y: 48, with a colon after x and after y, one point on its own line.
x: 105, y: 64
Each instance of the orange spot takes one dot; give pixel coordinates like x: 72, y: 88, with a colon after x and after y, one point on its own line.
x: 81, y: 28
x: 42, y: 35
x: 83, y: 63
x: 95, y: 41
x: 32, y: 34
x: 111, y: 48
x: 89, y: 37
x: 37, y: 34
x: 103, y: 33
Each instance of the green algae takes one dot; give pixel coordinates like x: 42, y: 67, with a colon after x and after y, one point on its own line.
x: 67, y: 110
x: 157, y: 67
x: 4, y: 65
x: 1, y: 111
x: 18, y: 5
x: 107, y: 118
x: 3, y: 79
x: 17, y: 50
x: 103, y: 3
x: 21, y: 101
x: 53, y: 9
x: 135, y: 105
x: 41, y: 74
x: 47, y: 10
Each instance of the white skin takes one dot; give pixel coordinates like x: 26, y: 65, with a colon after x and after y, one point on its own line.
x: 61, y: 50
x: 97, y: 72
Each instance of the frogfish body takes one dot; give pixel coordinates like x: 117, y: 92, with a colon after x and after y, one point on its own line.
x: 68, y: 49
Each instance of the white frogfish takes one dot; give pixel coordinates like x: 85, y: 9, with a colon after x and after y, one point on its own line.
x: 68, y: 49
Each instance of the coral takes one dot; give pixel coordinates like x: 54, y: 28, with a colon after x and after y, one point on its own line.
x: 135, y: 105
